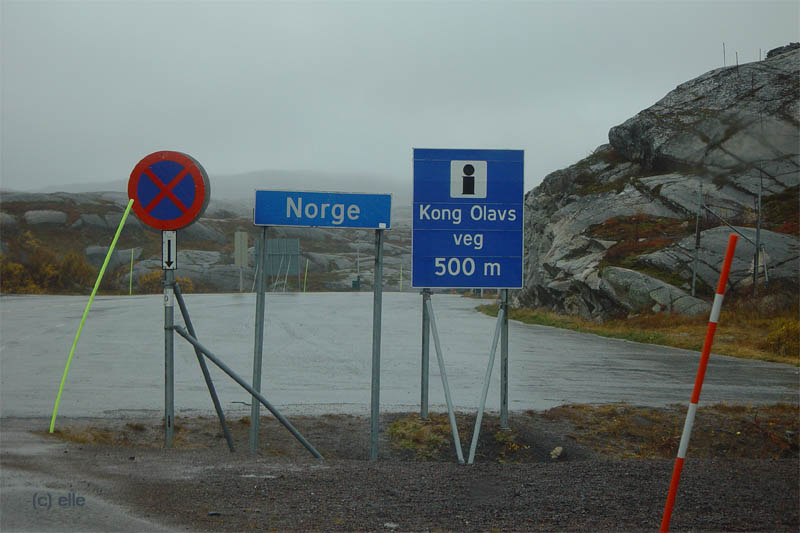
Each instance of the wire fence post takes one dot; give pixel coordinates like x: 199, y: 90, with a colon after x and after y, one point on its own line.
x: 130, y: 278
x: 697, y: 237
x: 758, y: 238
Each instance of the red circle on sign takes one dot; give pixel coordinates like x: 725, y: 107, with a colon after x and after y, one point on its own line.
x: 191, y: 169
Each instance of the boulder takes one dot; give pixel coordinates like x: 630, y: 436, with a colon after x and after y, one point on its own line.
x: 639, y: 292
x: 205, y: 269
x: 95, y: 255
x: 200, y: 232
x: 8, y: 220
x: 199, y: 258
x: 113, y: 220
x: 47, y: 217
x: 91, y: 220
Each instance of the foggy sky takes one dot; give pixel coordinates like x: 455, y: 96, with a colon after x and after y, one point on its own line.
x: 89, y: 88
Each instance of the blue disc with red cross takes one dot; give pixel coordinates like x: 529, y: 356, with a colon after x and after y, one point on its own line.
x: 170, y: 190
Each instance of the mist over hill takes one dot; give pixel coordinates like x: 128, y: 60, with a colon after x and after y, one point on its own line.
x: 242, y: 186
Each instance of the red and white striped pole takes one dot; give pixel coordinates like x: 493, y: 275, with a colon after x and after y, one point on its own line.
x: 698, y: 383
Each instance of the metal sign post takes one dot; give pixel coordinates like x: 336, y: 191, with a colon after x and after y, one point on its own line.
x: 377, y: 304
x: 426, y: 351
x: 170, y: 191
x: 258, y: 346
x: 468, y: 233
x: 504, y: 362
x: 169, y: 360
x: 169, y: 253
x: 337, y: 210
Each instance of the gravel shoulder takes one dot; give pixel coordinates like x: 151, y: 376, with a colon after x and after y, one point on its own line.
x: 130, y: 483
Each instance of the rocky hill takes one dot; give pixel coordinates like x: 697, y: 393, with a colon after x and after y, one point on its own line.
x: 39, y: 230
x: 614, y: 233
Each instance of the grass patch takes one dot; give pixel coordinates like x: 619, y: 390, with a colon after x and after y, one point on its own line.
x: 587, y: 184
x: 99, y: 436
x: 742, y: 331
x: 132, y: 434
x: 637, y: 235
x: 782, y: 211
x: 621, y: 431
x: 423, y: 437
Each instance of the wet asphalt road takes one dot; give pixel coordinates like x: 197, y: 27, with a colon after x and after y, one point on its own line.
x: 317, y: 358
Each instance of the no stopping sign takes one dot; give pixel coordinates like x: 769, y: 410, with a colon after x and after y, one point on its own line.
x: 171, y: 190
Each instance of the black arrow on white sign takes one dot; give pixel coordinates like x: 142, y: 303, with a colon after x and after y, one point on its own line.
x: 169, y: 247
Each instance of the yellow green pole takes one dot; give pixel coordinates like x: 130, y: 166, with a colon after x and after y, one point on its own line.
x: 130, y: 282
x: 305, y: 277
x: 86, y: 312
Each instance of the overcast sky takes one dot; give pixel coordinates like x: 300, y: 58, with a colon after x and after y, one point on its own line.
x: 89, y: 88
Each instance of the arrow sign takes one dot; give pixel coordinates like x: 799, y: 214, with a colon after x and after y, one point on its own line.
x: 169, y: 250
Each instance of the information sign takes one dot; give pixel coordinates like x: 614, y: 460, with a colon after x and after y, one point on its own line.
x: 467, y: 218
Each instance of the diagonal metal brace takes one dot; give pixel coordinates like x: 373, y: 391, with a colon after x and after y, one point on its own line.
x: 501, y: 315
x: 222, y: 366
x: 443, y: 373
x: 204, y: 367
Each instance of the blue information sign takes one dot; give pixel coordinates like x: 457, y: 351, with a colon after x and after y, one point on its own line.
x: 323, y: 209
x: 467, y: 220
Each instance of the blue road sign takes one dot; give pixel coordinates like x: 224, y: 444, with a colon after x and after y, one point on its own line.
x: 322, y: 209
x: 467, y: 220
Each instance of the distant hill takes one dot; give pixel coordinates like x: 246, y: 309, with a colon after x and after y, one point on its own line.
x: 241, y: 186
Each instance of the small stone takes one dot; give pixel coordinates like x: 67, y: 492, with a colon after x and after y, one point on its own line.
x: 214, y: 513
x: 391, y: 525
x: 556, y: 453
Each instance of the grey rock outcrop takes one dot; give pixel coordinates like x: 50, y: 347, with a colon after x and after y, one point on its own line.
x: 206, y: 270
x: 95, y: 255
x: 90, y: 220
x: 200, y: 232
x: 639, y: 292
x: 8, y: 220
x: 782, y: 256
x: 45, y: 217
x: 724, y: 132
x: 735, y: 123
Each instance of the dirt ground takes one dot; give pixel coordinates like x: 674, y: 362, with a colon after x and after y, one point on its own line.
x: 571, y: 468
